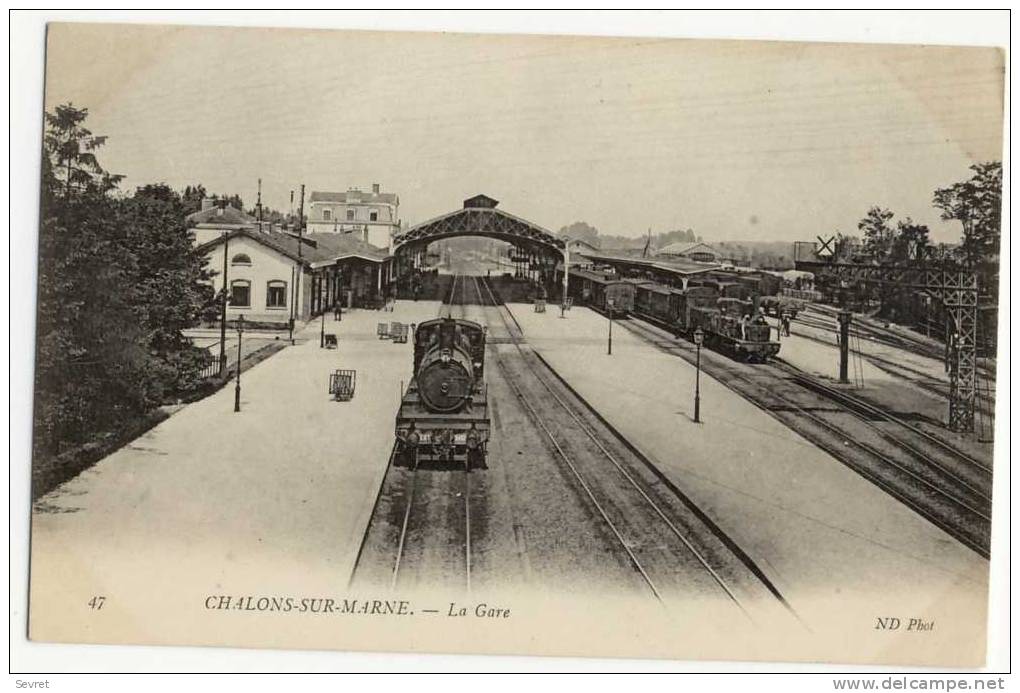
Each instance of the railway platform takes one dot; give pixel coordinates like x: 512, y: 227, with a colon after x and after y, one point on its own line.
x: 802, y: 515
x: 287, y: 482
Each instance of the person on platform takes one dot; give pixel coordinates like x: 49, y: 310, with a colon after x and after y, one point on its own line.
x: 785, y: 320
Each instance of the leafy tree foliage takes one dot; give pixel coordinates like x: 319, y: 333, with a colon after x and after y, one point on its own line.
x: 977, y: 205
x: 885, y: 243
x: 910, y: 242
x: 878, y: 234
x: 118, y: 281
x: 581, y: 231
x: 192, y: 198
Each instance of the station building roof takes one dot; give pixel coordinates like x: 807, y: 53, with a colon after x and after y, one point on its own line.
x: 313, y: 250
x: 353, y: 197
x: 594, y: 275
x: 677, y: 266
x: 219, y: 216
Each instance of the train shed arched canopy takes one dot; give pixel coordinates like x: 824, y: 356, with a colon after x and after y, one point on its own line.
x: 479, y: 217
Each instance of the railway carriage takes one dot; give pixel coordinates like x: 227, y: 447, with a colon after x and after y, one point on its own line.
x: 444, y: 413
x: 596, y: 289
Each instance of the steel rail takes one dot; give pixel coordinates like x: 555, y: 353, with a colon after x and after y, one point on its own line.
x: 852, y: 402
x: 870, y: 475
x: 616, y: 463
x: 404, y: 524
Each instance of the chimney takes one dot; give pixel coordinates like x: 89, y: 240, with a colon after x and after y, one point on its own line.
x: 207, y: 203
x: 375, y: 188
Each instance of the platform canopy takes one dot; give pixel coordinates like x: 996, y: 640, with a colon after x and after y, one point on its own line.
x: 479, y: 217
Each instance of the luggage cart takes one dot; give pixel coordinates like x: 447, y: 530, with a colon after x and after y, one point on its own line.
x: 398, y: 332
x: 342, y: 383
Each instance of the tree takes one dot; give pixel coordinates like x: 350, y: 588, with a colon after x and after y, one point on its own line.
x: 168, y: 280
x: 878, y: 235
x: 581, y: 231
x: 976, y: 203
x: 192, y: 198
x: 90, y: 355
x: 910, y: 242
x: 71, y: 150
x: 118, y: 282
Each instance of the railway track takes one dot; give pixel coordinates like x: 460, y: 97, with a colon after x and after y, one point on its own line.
x: 420, y: 501
x: 924, y: 381
x: 875, y: 335
x: 649, y: 529
x: 455, y: 485
x: 942, y: 484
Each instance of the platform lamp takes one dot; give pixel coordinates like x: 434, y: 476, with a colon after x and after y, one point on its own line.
x: 237, y: 385
x: 609, y: 309
x: 699, y: 338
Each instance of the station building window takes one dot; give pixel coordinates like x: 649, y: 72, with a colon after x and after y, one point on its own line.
x: 350, y: 215
x: 240, y: 293
x: 373, y: 215
x: 241, y: 259
x: 327, y: 214
x: 276, y: 294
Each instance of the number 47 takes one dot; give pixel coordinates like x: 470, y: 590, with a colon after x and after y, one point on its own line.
x: 97, y: 602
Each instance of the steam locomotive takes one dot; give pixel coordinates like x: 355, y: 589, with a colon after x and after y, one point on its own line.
x: 716, y: 303
x: 444, y: 414
x: 730, y: 325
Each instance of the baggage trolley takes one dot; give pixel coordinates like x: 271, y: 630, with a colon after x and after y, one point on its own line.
x: 341, y: 384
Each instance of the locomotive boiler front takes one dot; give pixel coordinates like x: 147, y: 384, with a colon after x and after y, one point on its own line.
x: 445, y: 372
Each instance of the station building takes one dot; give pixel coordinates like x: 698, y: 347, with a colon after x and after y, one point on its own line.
x: 273, y: 275
x: 696, y: 252
x: 374, y: 215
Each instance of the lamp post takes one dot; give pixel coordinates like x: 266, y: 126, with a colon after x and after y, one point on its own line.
x: 699, y: 337
x: 237, y: 384
x: 609, y: 305
x: 322, y: 331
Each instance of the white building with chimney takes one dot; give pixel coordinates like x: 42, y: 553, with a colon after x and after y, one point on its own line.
x: 372, y: 215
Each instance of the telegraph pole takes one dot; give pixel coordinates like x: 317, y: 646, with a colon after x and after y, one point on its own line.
x: 258, y: 205
x: 566, y: 275
x: 223, y: 309
x: 845, y: 317
x: 301, y: 219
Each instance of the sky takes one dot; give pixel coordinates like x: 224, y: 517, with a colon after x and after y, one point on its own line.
x: 737, y: 140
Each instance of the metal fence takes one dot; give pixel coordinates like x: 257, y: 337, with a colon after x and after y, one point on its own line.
x: 212, y: 368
